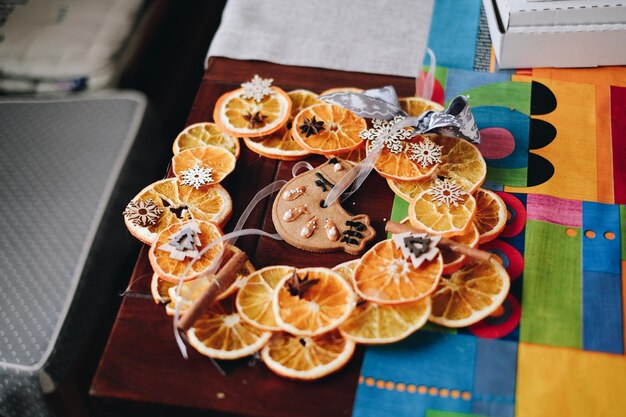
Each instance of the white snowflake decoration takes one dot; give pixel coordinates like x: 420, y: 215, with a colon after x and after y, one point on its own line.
x: 381, y: 129
x: 447, y: 192
x: 197, y: 176
x: 142, y: 213
x: 257, y: 88
x: 425, y: 153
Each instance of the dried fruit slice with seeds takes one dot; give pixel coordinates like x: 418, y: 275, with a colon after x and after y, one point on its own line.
x: 205, y: 133
x: 220, y: 333
x: 254, y: 299
x: 280, y: 144
x: 312, y: 301
x: 373, y: 323
x: 307, y: 358
x: 172, y: 269
x: 385, y: 276
x: 340, y: 131
x: 470, y: 294
x: 245, y: 117
x: 179, y: 203
x: 491, y: 215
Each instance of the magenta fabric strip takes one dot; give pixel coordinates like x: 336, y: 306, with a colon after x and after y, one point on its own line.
x: 554, y: 210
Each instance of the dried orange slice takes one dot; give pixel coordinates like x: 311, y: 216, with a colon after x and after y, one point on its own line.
x: 245, y: 117
x: 341, y: 90
x: 221, y: 333
x: 254, y: 299
x: 280, y: 144
x: 307, y: 358
x: 409, y: 190
x: 353, y: 156
x: 415, y: 106
x: 193, y: 289
x: 159, y: 289
x: 373, y: 323
x: 205, y: 133
x: 312, y: 301
x: 179, y: 203
x: 452, y: 261
x: 171, y: 269
x: 385, y: 276
x: 444, y: 209
x: 461, y: 161
x: 470, y: 294
x: 402, y: 166
x: 491, y: 215
x: 338, y: 130
x: 301, y: 99
x: 346, y: 270
x: 213, y: 160
x: 277, y: 145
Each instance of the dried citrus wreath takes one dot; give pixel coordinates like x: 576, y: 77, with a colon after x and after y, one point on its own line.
x: 305, y: 322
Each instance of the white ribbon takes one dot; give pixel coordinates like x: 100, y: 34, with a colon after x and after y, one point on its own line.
x: 425, y: 84
x: 229, y: 238
x: 359, y: 173
x: 299, y: 165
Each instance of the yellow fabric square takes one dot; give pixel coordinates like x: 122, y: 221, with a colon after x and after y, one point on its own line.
x: 554, y: 381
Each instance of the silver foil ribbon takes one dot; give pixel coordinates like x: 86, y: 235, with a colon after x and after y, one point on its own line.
x: 377, y: 103
x: 457, y: 120
x: 382, y: 103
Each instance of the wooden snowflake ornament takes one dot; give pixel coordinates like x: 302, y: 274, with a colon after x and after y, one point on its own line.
x: 197, y: 176
x: 142, y: 213
x: 425, y: 153
x: 302, y: 220
x: 446, y: 191
x: 257, y: 88
x: 395, y: 142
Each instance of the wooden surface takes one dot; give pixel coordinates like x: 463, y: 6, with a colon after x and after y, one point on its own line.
x: 141, y: 364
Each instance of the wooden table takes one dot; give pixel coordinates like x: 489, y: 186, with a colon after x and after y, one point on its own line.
x: 141, y: 368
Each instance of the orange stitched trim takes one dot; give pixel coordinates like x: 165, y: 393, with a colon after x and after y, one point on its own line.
x: 412, y: 388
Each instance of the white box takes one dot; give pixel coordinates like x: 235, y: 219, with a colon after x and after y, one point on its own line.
x: 574, y: 33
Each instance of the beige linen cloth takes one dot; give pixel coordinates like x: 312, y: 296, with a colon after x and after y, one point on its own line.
x: 373, y: 36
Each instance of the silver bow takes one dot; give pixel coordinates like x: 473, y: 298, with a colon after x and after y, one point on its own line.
x: 377, y: 103
x: 382, y: 103
x: 457, y: 120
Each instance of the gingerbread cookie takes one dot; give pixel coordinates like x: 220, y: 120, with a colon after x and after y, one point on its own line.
x: 302, y: 220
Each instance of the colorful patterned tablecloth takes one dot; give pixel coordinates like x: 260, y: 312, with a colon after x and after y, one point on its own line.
x: 555, y: 145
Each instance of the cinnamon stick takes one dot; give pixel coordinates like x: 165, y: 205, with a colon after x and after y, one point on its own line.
x: 224, y: 279
x: 477, y: 254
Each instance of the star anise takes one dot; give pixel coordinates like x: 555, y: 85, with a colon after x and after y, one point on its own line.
x: 254, y: 120
x: 299, y: 286
x: 311, y: 127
